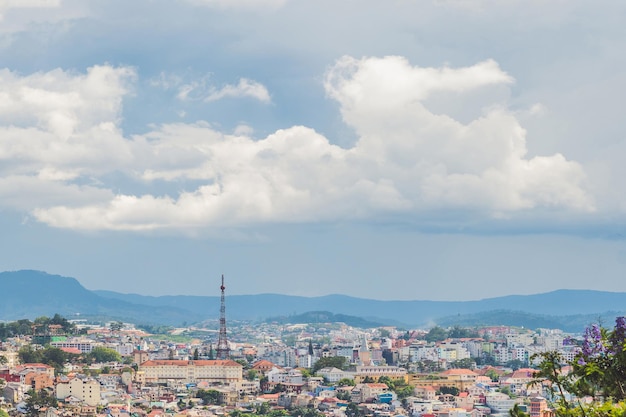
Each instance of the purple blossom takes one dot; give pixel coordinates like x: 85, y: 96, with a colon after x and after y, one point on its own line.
x: 618, y: 335
x: 592, y: 342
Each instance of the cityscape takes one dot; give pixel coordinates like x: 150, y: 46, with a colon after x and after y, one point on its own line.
x: 312, y: 208
x: 60, y: 367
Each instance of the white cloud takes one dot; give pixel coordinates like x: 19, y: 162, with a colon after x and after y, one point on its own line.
x: 201, y: 89
x: 245, y: 88
x: 408, y: 159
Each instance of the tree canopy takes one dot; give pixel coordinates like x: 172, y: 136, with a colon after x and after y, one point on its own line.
x: 339, y: 362
x: 598, y: 371
x: 101, y: 354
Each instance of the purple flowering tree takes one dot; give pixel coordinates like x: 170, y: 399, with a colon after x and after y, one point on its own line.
x: 598, y: 371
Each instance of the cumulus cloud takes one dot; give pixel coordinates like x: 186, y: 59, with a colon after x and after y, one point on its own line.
x: 408, y: 160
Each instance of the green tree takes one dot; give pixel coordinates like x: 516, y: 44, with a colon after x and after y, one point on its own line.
x: 458, y: 332
x: 196, y: 354
x: 598, y: 371
x: 101, y: 354
x: 436, y: 334
x: 208, y: 396
x: 466, y: 363
x: 449, y: 390
x: 252, y: 374
x: 3, y: 360
x: 3, y: 413
x: 263, y: 408
x: 517, y: 412
x: 346, y: 382
x: 339, y: 362
x: 353, y: 410
x: 28, y: 354
x: 37, y: 400
x: 344, y: 395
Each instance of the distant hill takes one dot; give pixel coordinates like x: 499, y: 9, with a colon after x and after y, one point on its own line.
x: 28, y: 294
x: 325, y: 317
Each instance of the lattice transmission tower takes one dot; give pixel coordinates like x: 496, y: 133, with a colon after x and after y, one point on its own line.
x: 223, y: 352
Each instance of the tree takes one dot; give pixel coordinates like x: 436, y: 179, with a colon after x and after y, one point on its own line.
x: 252, y: 374
x: 598, y: 371
x: 515, y: 364
x: 196, y: 354
x: 208, y: 396
x: 339, y: 362
x: 346, y: 382
x: 101, y: 354
x: 344, y: 395
x: 37, y: 400
x: 3, y: 360
x: 3, y: 413
x: 466, y: 363
x: 449, y: 390
x: 116, y: 326
x: 517, y: 412
x: 436, y: 334
x: 353, y: 410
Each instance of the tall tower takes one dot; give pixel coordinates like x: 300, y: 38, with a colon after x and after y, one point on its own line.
x: 223, y: 352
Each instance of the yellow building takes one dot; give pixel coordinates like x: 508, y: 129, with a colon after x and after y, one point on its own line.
x: 458, y: 378
x: 224, y: 371
x: 374, y: 372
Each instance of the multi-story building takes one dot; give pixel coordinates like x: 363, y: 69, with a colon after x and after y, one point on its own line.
x: 375, y: 372
x: 86, y: 390
x: 84, y: 345
x: 224, y: 371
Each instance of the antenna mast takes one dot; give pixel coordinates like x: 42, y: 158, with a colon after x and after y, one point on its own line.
x: 223, y: 352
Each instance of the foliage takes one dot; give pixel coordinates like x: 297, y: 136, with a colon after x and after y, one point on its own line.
x: 101, y: 354
x: 346, y: 382
x: 208, y: 396
x: 3, y: 413
x: 458, y: 332
x: 598, y: 371
x: 466, y: 363
x: 517, y: 412
x: 515, y: 364
x: 305, y: 412
x: 116, y: 326
x: 41, y: 325
x: 436, y: 334
x: 37, y: 400
x: 52, y: 356
x: 344, y: 395
x: 353, y: 410
x: 449, y: 390
x: 339, y: 362
x: 401, y: 388
x: 155, y: 329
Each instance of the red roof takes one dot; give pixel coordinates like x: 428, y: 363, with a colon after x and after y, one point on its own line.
x: 226, y: 362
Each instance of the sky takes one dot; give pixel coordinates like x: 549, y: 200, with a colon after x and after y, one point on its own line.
x: 393, y: 150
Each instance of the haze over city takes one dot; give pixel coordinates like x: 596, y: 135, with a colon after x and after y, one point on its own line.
x: 442, y: 150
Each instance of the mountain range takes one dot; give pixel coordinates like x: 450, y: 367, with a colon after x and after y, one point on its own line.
x: 30, y: 294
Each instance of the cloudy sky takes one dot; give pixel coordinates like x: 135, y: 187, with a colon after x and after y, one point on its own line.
x: 398, y: 149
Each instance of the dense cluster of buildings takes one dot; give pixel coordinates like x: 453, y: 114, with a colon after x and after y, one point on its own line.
x: 455, y: 377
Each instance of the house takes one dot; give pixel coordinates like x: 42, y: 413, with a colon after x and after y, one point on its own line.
x: 86, y: 390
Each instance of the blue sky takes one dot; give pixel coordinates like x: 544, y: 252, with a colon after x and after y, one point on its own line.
x: 443, y: 150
